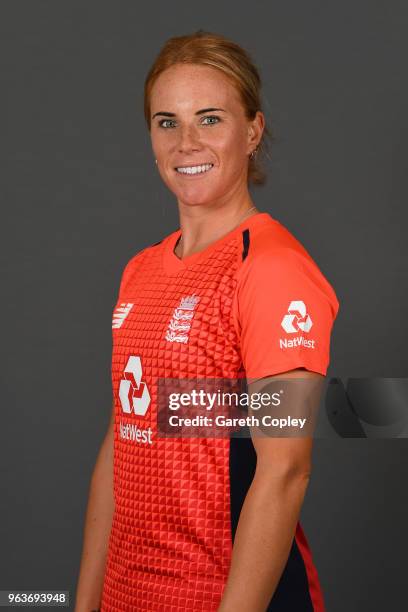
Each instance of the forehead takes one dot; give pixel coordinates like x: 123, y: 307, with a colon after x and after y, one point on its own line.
x: 187, y: 86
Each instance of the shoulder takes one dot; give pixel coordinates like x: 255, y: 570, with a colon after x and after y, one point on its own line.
x: 276, y: 259
x: 272, y: 242
x: 141, y: 258
x: 148, y: 252
x: 142, y: 254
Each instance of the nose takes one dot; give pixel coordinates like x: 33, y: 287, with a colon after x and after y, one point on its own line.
x: 189, y: 140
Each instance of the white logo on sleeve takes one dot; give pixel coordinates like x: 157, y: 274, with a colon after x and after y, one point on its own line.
x: 297, y: 318
x: 296, y: 321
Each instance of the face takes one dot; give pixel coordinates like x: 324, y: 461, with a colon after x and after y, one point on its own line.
x: 185, y: 132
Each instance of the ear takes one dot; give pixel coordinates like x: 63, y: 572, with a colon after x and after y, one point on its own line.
x: 255, y: 130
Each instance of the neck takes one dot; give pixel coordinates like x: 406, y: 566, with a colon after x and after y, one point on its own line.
x: 214, y: 227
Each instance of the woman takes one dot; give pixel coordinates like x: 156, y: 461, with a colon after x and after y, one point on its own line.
x: 230, y: 294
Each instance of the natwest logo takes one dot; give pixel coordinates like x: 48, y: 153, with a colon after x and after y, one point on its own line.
x: 133, y: 392
x: 295, y: 321
x: 297, y: 318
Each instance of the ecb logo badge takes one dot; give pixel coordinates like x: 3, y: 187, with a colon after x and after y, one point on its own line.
x: 180, y: 324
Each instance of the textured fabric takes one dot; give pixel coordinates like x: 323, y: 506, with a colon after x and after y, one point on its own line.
x: 171, y: 540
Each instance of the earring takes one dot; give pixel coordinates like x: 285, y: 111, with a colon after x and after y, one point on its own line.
x: 253, y: 154
x: 155, y: 161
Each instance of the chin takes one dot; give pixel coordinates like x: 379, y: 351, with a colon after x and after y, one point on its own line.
x: 195, y: 200
x: 196, y: 195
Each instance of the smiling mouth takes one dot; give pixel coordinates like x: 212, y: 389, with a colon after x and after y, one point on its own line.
x: 193, y: 170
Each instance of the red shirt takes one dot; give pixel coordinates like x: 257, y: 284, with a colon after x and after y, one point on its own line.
x: 251, y: 304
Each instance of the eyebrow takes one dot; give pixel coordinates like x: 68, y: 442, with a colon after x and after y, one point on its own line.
x: 199, y: 112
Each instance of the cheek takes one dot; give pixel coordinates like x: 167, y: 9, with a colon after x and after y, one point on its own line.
x: 161, y: 142
x: 232, y: 143
x: 157, y: 144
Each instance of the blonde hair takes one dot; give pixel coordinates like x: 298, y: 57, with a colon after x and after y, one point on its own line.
x: 209, y: 49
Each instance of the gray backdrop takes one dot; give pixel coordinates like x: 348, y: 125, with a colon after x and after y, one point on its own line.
x: 81, y: 195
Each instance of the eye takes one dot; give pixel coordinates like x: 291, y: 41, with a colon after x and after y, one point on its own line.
x: 212, y: 117
x: 161, y: 123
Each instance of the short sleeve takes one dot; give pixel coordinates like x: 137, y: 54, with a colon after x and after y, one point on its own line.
x: 284, y: 309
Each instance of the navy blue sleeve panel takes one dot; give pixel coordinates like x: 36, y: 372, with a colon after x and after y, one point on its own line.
x: 292, y: 593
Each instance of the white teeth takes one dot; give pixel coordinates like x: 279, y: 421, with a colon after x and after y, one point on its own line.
x: 195, y: 169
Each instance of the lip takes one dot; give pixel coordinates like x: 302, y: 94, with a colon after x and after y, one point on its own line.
x: 191, y: 164
x: 197, y: 174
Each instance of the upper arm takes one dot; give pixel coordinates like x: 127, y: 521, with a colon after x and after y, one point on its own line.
x: 286, y: 449
x: 284, y: 312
